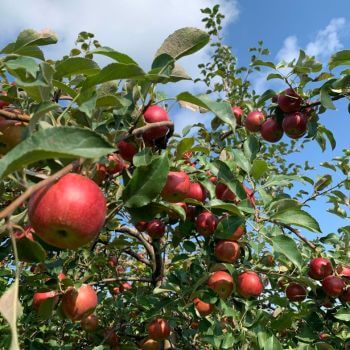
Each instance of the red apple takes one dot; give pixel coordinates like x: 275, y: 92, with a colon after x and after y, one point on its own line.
x: 159, y: 329
x: 249, y: 284
x: 295, y: 124
x: 100, y: 173
x: 240, y: 231
x: 202, y: 307
x: 176, y: 187
x: 141, y: 225
x: 155, y: 228
x: 68, y: 213
x: 296, y: 292
x: 254, y: 121
x: 250, y: 195
x: 150, y: 344
x: 289, y: 101
x: 12, y: 132
x: 125, y: 286
x: 116, y: 290
x: 40, y: 297
x: 155, y: 114
x: 345, y: 296
x: 111, y: 337
x: 227, y: 251
x: 127, y: 150
x: 61, y: 276
x: 237, y: 112
x: 113, y: 261
x: 271, y: 130
x: 89, y: 323
x: 196, y: 192
x: 333, y: 286
x: 213, y: 179
x: 323, y: 336
x: 78, y: 303
x: 223, y: 193
x: 319, y: 268
x: 191, y: 212
x: 206, y: 223
x: 343, y: 271
x: 115, y: 165
x: 222, y: 283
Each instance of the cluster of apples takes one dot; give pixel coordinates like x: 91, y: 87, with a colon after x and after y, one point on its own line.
x: 290, y: 118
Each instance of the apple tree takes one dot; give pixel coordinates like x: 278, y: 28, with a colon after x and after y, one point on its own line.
x: 120, y: 232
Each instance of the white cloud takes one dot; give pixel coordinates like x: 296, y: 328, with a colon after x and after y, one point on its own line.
x: 290, y: 49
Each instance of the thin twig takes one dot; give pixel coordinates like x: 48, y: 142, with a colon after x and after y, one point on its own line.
x: 13, y: 115
x: 122, y: 279
x: 137, y: 257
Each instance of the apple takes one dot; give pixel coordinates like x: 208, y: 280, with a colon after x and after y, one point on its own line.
x: 249, y: 284
x: 237, y: 234
x: 222, y: 283
x: 40, y: 297
x: 110, y: 336
x: 323, y: 336
x: 202, y: 307
x: 250, y: 195
x: 294, y: 124
x: 289, y: 101
x: 155, y: 114
x: 196, y: 192
x: 271, y: 130
x: 78, y: 303
x: 213, y: 179
x: 333, y: 286
x: 113, y: 261
x: 141, y: 225
x: 223, y: 193
x: 89, y: 323
x: 149, y: 344
x: 100, y: 173
x: 12, y: 132
x: 176, y: 187
x: 191, y: 212
x: 237, y: 112
x: 343, y: 271
x: 155, y: 228
x: 116, y: 290
x: 319, y: 268
x: 206, y: 223
x: 268, y: 260
x: 125, y: 286
x: 296, y: 292
x: 115, y: 164
x: 345, y: 296
x: 61, y: 276
x: 68, y: 213
x: 127, y: 150
x: 194, y: 324
x: 158, y: 329
x: 254, y: 121
x: 227, y: 251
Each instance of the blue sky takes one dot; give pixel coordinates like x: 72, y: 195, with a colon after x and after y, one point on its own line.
x: 138, y: 27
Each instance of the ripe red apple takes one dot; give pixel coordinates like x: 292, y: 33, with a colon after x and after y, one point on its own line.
x: 296, y: 292
x: 345, y: 296
x: 202, y: 307
x: 176, y: 187
x: 78, y: 303
x: 112, y: 261
x: 125, y: 286
x: 155, y: 114
x: 191, y: 212
x: 40, y: 297
x: 250, y: 195
x: 127, y: 150
x: 323, y: 336
x: 271, y: 130
x: 141, y: 225
x: 68, y: 213
x: 158, y: 329
x: 249, y: 284
x: 100, y: 173
x: 227, y: 251
x: 116, y: 290
x: 111, y: 337
x: 89, y: 323
x: 333, y: 286
x: 239, y: 232
x: 116, y: 164
x: 61, y: 276
x: 343, y: 271
x: 213, y: 179
x: 237, y: 112
x: 196, y: 192
x: 206, y: 223
x: 222, y: 283
x: 12, y: 132
x: 289, y: 101
x: 254, y: 121
x: 149, y: 344
x: 223, y: 193
x: 155, y: 228
x: 194, y: 324
x: 319, y: 268
x: 295, y: 124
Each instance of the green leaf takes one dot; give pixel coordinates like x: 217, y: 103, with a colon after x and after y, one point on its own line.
x: 56, y: 142
x: 115, y: 55
x: 11, y: 309
x: 230, y: 207
x: 326, y: 100
x: 22, y: 66
x: 115, y: 71
x: 76, y: 65
x: 241, y: 160
x: 183, y: 42
x: 343, y: 315
x: 287, y: 246
x: 184, y: 145
x: 297, y: 217
x: 322, y: 182
x: 268, y: 94
x: 273, y: 343
x: 228, y: 226
x: 259, y: 168
x: 263, y: 63
x: 341, y: 58
x: 30, y: 251
x: 143, y: 158
x: 251, y: 147
x: 146, y: 183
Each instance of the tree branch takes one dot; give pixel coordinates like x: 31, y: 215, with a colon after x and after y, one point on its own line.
x: 13, y: 115
x: 137, y: 257
x: 121, y: 279
x: 158, y: 269
x: 150, y: 126
x: 24, y: 196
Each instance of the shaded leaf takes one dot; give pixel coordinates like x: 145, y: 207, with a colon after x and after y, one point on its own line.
x: 287, y: 246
